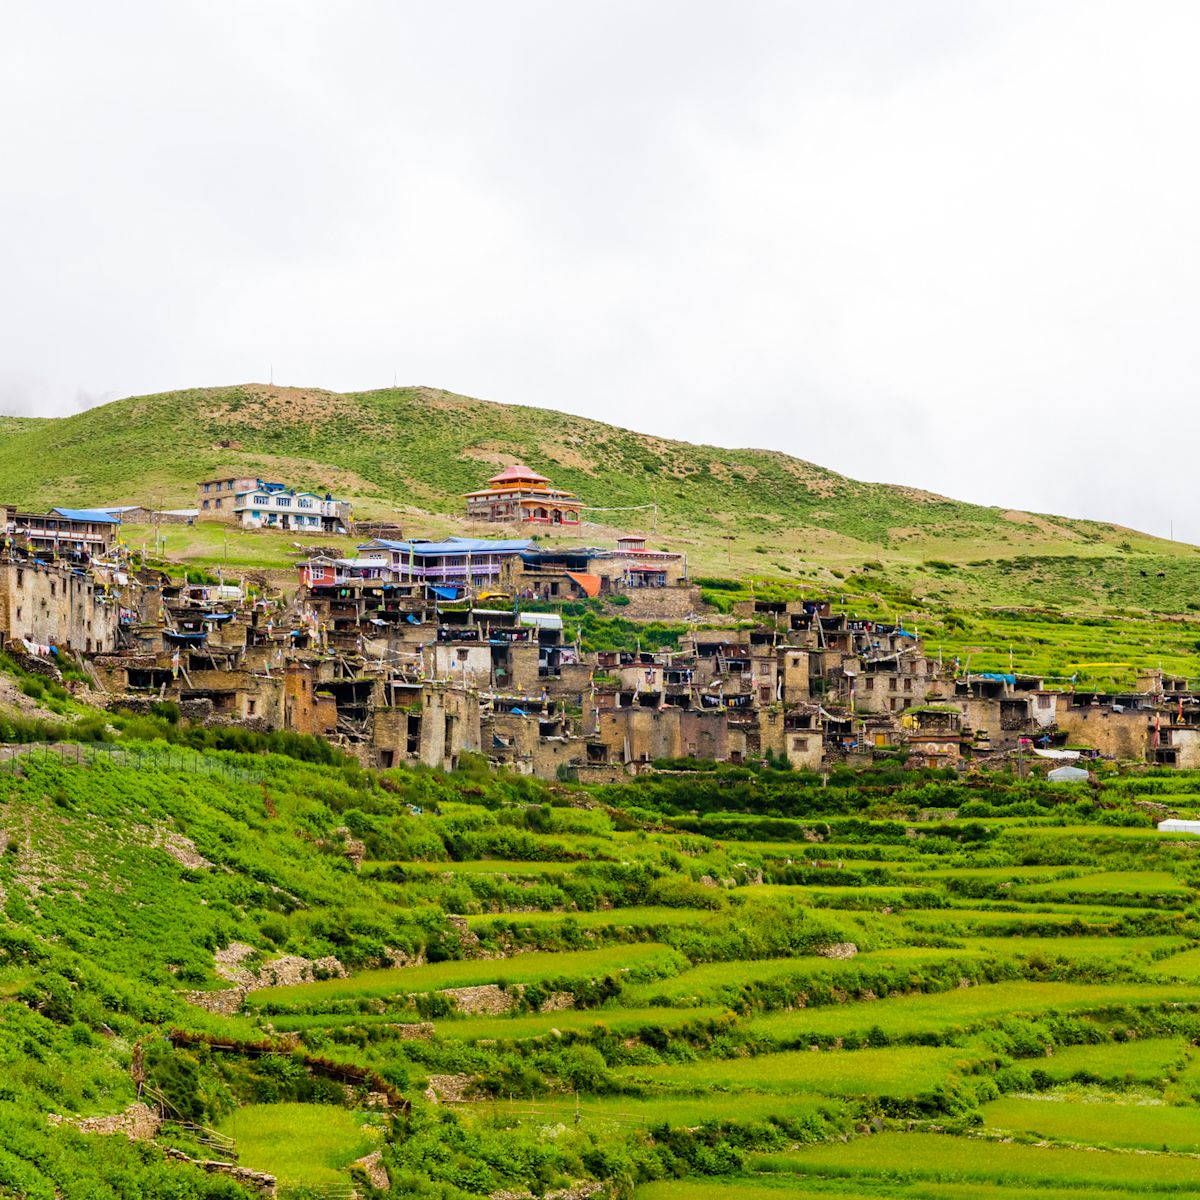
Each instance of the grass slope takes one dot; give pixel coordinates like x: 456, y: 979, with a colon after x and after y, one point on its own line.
x: 414, y: 451
x: 716, y: 1045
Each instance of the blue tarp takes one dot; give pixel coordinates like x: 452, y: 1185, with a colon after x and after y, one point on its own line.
x: 86, y: 514
x: 996, y: 675
x: 445, y: 593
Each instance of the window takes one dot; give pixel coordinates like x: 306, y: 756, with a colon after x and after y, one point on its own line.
x: 206, y: 502
x: 799, y: 743
x: 259, y: 500
x: 281, y: 501
x: 892, y: 684
x: 305, y: 503
x: 218, y: 503
x: 1043, y: 702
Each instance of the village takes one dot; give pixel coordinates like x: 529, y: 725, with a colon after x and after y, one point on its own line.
x: 419, y: 651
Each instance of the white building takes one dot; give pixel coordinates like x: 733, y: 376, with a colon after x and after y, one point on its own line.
x: 270, y: 506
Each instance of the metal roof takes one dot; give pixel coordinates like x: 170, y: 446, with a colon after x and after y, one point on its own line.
x: 86, y: 514
x: 453, y: 546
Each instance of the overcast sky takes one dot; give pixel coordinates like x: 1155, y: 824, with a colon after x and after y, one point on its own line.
x: 952, y: 245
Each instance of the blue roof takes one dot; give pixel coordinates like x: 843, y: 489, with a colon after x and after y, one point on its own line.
x: 455, y: 545
x: 86, y: 514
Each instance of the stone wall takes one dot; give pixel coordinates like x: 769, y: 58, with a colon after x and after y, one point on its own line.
x: 138, y: 1123
x: 662, y: 604
x: 55, y: 606
x: 1121, y: 735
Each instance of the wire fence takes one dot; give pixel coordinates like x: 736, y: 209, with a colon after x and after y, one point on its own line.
x: 18, y: 759
x: 568, y: 1112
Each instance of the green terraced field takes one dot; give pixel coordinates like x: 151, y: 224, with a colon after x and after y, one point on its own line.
x: 1137, y: 884
x: 725, y: 1056
x: 620, y: 1020
x: 300, y: 1144
x: 663, y: 1108
x: 488, y: 866
x: 909, y: 1016
x: 1180, y: 966
x: 772, y: 1187
x: 1119, y: 951
x: 713, y: 981
x: 935, y: 1157
x: 1145, y: 1060
x: 525, y: 968
x: 1139, y: 1122
x: 617, y: 918
x: 895, y: 1071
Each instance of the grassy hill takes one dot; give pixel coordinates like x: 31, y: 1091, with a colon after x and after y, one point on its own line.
x: 412, y: 452
x: 1062, y: 597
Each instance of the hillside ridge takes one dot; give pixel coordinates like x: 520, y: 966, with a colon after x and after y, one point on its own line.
x: 413, y: 451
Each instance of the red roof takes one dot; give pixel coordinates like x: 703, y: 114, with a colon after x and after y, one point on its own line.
x: 518, y: 472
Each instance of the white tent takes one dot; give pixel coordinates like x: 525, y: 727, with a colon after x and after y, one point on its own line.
x: 1174, y: 825
x: 1067, y: 775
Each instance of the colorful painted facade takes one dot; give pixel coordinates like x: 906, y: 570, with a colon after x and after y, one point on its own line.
x: 519, y: 494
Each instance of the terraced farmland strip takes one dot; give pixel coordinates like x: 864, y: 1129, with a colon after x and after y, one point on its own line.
x: 940, y: 1012
x: 674, y: 1110
x: 620, y: 1020
x: 722, y: 980
x: 1133, y: 1125
x: 894, y: 1071
x: 918, y: 1157
x: 1180, y: 966
x: 1144, y: 1059
x: 647, y: 917
x: 1132, y: 884
x: 777, y: 1187
x: 649, y: 957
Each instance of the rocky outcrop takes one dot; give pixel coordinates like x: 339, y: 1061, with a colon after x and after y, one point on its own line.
x: 278, y: 972
x: 416, y: 1031
x: 138, y: 1123
x: 33, y: 664
x: 838, y: 950
x: 451, y: 1089
x: 260, y: 1181
x: 225, y: 1002
x: 372, y: 1167
x: 577, y: 1191
x: 487, y: 999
